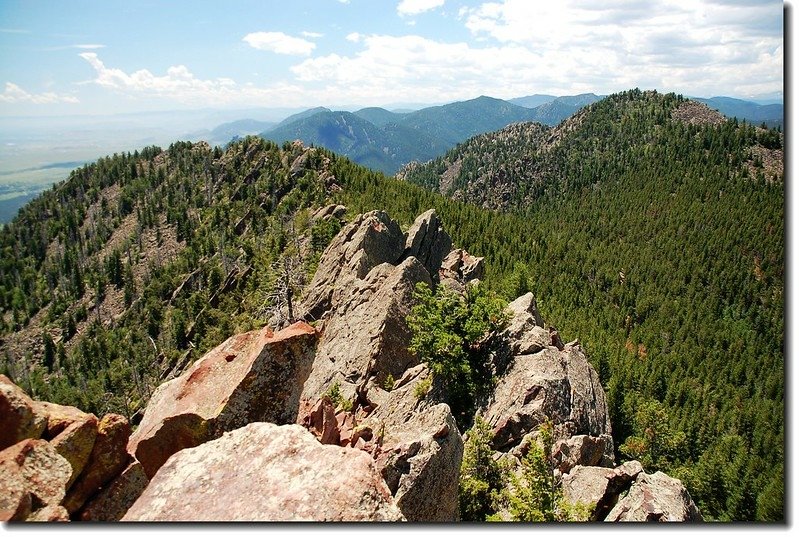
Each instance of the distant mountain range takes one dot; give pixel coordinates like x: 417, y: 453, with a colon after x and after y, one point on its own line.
x: 773, y: 115
x: 386, y: 140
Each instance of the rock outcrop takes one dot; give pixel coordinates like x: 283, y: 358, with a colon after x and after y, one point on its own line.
x: 366, y: 336
x: 21, y: 418
x: 421, y: 449
x: 256, y: 376
x: 655, y: 498
x: 550, y: 385
x: 365, y: 344
x: 599, y: 487
x: 583, y: 450
x: 628, y: 494
x: 428, y: 242
x: 51, y: 475
x: 288, y: 475
x: 459, y: 268
x: 369, y: 240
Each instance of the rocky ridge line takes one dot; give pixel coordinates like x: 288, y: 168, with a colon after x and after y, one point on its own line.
x: 253, y: 412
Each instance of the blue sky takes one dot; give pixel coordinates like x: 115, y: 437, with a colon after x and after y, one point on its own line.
x: 102, y: 57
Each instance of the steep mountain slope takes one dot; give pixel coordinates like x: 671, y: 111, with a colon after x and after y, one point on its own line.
x: 663, y: 224
x: 383, y: 148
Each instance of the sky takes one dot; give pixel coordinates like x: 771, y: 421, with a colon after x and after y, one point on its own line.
x: 109, y: 57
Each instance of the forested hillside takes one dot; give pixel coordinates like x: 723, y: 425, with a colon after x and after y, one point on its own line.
x: 654, y: 231
x: 656, y: 241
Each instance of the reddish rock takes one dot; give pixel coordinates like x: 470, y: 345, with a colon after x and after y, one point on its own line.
x: 75, y: 444
x: 288, y: 475
x: 256, y: 376
x: 21, y: 418
x: 320, y: 420
x: 59, y: 417
x: 49, y: 513
x: 44, y: 472
x: 108, y: 458
x: 15, y: 500
x: 114, y: 500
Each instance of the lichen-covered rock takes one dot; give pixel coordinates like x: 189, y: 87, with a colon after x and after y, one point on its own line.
x: 256, y: 376
x: 49, y: 513
x: 421, y: 449
x: 21, y: 418
x: 75, y: 444
x: 428, y: 242
x: 288, y: 475
x: 109, y: 456
x: 369, y: 240
x: 59, y: 417
x: 655, y: 498
x: 367, y: 335
x: 15, y: 500
x: 114, y: 500
x: 550, y: 385
x: 43, y: 471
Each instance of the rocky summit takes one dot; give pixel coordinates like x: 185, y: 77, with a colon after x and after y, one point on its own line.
x: 333, y: 417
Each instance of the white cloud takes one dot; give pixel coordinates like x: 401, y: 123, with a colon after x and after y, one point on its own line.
x: 90, y: 46
x: 178, y: 82
x: 312, y: 35
x: 415, y: 7
x: 279, y: 43
x: 15, y: 94
x: 684, y: 45
x: 181, y: 86
x: 354, y: 37
x: 414, y: 68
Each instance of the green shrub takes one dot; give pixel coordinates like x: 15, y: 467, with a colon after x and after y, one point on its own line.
x: 455, y: 335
